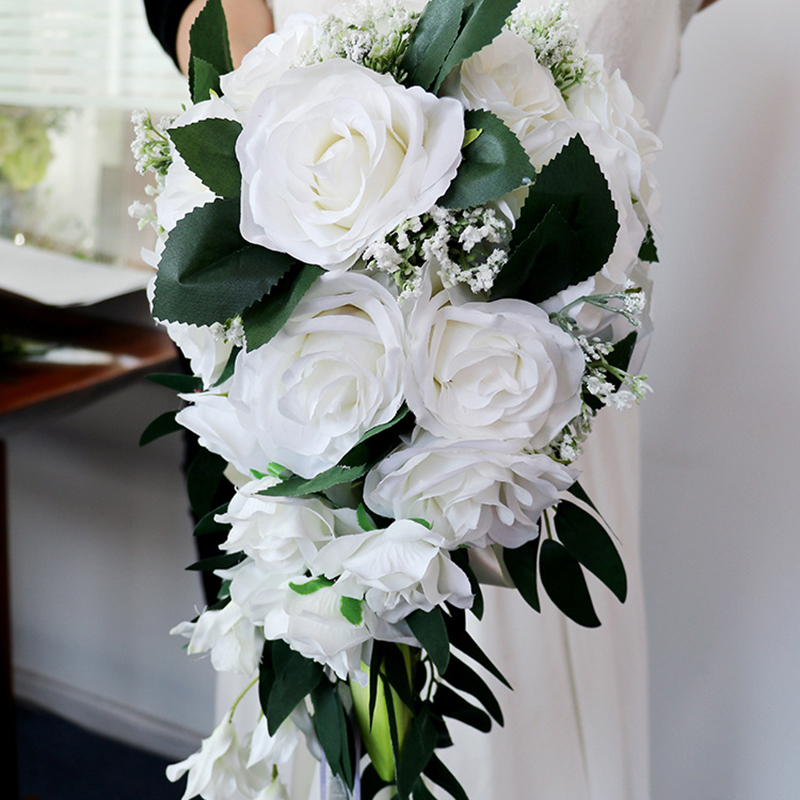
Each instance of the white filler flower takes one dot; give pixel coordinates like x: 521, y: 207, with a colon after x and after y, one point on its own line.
x: 334, y: 155
x: 498, y: 370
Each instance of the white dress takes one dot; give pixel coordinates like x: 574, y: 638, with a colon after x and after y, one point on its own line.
x: 576, y: 724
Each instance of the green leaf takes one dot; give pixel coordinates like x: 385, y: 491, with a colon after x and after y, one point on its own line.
x: 442, y: 776
x: 588, y: 541
x: 418, y: 748
x: 352, y: 609
x: 183, y: 384
x: 310, y: 587
x: 576, y: 490
x: 465, y: 679
x: 209, y: 273
x: 333, y: 731
x: 521, y: 565
x: 460, y: 558
x: 297, y: 486
x: 208, y: 525
x: 295, y: 677
x: 202, y: 478
x: 432, y: 39
x: 450, y: 704
x: 461, y: 640
x: 648, y: 251
x: 162, y: 425
x: 566, y: 231
x: 208, y: 147
x: 620, y: 356
x: 210, y: 51
x: 483, y: 20
x: 493, y: 165
x: 431, y: 632
x: 365, y: 521
x: 371, y: 782
x: 266, y: 317
x: 217, y: 562
x: 565, y: 584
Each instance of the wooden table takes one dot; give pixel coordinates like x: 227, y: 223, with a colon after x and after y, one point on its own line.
x: 31, y: 391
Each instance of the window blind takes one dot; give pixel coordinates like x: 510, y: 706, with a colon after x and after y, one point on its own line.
x: 101, y: 53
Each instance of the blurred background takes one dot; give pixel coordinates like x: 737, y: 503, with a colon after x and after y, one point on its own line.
x: 99, y: 531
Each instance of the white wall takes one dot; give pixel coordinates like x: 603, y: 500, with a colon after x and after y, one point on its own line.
x: 722, y: 430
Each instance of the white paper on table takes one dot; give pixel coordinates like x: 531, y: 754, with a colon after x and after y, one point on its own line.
x: 58, y: 280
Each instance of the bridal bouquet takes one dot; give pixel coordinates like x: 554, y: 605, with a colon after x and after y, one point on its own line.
x: 405, y: 255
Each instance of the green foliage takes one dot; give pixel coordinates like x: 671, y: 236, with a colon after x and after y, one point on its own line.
x: 648, y: 251
x: 565, y: 584
x: 162, y: 425
x: 202, y: 479
x: 493, y: 164
x: 208, y: 147
x: 334, y: 731
x: 210, y: 51
x: 521, y: 565
x: 430, y: 629
x: 566, y: 231
x: 209, y: 273
x: 184, y: 384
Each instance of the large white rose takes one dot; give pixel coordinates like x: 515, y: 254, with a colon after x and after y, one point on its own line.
x: 497, y: 370
x: 335, y: 155
x: 506, y: 79
x: 333, y: 372
x: 473, y: 493
x: 399, y: 570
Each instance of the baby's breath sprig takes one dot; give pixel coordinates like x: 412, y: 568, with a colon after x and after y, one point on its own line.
x: 469, y: 246
x: 150, y: 146
x: 628, y: 302
x: 553, y: 34
x: 374, y: 33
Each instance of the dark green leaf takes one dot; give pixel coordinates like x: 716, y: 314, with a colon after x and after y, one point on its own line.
x: 208, y: 147
x: 184, y: 384
x: 648, y: 251
x: 333, y: 731
x: 395, y: 668
x: 421, y: 791
x: 295, y: 677
x: 210, y: 51
x: 576, y: 490
x: 297, y: 486
x: 620, y: 356
x: 208, y: 525
x: 461, y: 640
x: 202, y: 480
x: 431, y: 632
x: 217, y: 562
x: 565, y: 584
x: 483, y: 20
x: 230, y: 365
x: 266, y: 317
x: 521, y: 565
x: 465, y: 679
x: 449, y: 704
x: 442, y: 776
x: 432, y: 39
x: 162, y: 425
x: 371, y: 782
x: 566, y: 231
x: 461, y: 559
x: 266, y: 676
x: 588, y: 541
x: 493, y: 165
x: 209, y: 273
x: 418, y: 748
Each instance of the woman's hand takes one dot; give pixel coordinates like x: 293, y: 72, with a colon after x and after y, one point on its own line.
x: 249, y: 21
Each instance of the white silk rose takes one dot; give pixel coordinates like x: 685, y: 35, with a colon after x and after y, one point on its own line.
x: 473, y: 493
x: 398, y: 570
x: 332, y: 372
x: 498, y: 370
x: 334, y: 155
x: 506, y: 79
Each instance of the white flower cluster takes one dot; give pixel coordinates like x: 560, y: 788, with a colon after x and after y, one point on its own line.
x: 465, y: 246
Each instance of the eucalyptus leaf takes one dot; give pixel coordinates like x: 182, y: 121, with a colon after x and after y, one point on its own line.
x: 588, y: 542
x: 333, y: 730
x: 371, y: 782
x: 208, y: 273
x: 450, y: 704
x: 208, y: 525
x: 217, y: 562
x: 465, y: 679
x: 442, y: 776
x: 461, y: 640
x: 493, y: 164
x: 521, y: 565
x: 162, y: 425
x: 431, y: 632
x: 418, y: 747
x: 295, y: 677
x: 208, y: 147
x: 565, y: 584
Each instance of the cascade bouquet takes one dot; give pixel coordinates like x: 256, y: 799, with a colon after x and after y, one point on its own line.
x: 405, y: 255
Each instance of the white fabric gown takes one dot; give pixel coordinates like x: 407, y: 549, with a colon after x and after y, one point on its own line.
x: 576, y: 725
